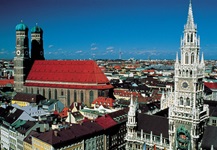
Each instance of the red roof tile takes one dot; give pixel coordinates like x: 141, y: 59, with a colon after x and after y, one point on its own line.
x: 4, y: 82
x: 105, y: 121
x: 211, y: 85
x: 64, y: 112
x: 105, y: 101
x: 67, y: 74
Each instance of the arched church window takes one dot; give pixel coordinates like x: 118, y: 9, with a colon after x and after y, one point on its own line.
x: 181, y: 101
x: 192, y: 37
x: 192, y: 58
x: 82, y: 97
x: 188, y: 102
x: 188, y: 38
x: 43, y: 92
x: 18, y: 41
x: 49, y: 94
x: 62, y: 93
x: 103, y: 93
x: 91, y: 97
x: 187, y: 73
x: 186, y: 58
x: 75, y: 96
x: 190, y: 73
x: 55, y: 94
x: 183, y: 72
x: 68, y: 97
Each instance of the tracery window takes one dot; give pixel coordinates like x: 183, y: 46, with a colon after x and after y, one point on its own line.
x: 186, y: 58
x: 91, y: 97
x: 192, y: 58
x: 181, y: 101
x: 75, y: 96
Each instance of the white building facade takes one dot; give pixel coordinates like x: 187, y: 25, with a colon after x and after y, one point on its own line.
x: 187, y: 114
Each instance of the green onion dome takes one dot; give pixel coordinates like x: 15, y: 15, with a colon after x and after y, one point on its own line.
x: 21, y: 27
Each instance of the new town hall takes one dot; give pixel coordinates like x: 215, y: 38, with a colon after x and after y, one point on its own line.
x: 184, y: 125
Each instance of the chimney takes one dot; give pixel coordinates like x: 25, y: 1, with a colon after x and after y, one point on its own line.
x: 55, y: 133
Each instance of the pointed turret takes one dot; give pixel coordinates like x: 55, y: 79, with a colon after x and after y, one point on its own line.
x: 177, y: 58
x: 190, y: 21
x: 202, y: 59
x: 162, y: 100
x: 131, y: 107
x: 131, y: 123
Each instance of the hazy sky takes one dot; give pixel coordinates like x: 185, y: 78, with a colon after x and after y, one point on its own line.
x: 81, y: 29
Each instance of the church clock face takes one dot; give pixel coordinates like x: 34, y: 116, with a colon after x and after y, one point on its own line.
x: 185, y: 85
x: 183, y: 138
x: 18, y: 52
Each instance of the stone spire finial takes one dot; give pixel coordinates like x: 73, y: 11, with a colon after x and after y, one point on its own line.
x: 202, y: 59
x: 177, y: 57
x: 190, y: 21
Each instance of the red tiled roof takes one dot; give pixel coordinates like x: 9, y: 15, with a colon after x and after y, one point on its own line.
x: 4, y: 82
x: 126, y: 93
x: 152, y: 70
x: 105, y: 101
x: 105, y: 121
x: 102, y: 68
x: 74, y: 74
x: 27, y: 97
x: 64, y: 112
x: 211, y: 85
x: 117, y: 67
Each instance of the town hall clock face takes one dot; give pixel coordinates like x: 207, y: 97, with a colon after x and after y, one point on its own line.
x: 185, y: 85
x: 18, y: 52
x: 183, y: 138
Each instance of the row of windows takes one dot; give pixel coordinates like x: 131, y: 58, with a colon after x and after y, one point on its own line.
x: 185, y: 101
x: 68, y: 94
x: 191, y: 57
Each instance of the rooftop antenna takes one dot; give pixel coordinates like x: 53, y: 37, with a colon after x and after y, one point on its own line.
x: 120, y: 53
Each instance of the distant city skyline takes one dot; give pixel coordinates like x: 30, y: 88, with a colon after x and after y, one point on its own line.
x: 101, y: 29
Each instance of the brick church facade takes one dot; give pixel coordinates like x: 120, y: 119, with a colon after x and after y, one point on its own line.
x: 66, y: 80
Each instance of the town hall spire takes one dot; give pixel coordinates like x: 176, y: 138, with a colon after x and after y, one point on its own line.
x: 188, y: 92
x: 190, y: 21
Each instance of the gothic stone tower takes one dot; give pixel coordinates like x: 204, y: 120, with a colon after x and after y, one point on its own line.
x: 131, y: 123
x: 22, y: 62
x: 37, y: 51
x: 188, y: 114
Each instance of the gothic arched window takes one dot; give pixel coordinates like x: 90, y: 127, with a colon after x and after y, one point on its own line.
x: 192, y: 37
x: 180, y: 72
x: 49, y: 94
x: 43, y: 92
x: 186, y: 58
x: 190, y: 73
x: 68, y: 97
x: 91, y: 97
x: 188, y: 38
x: 181, y: 101
x: 82, y: 97
x: 192, y: 58
x: 75, y: 96
x: 55, y: 94
x: 187, y: 73
x: 188, y: 102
